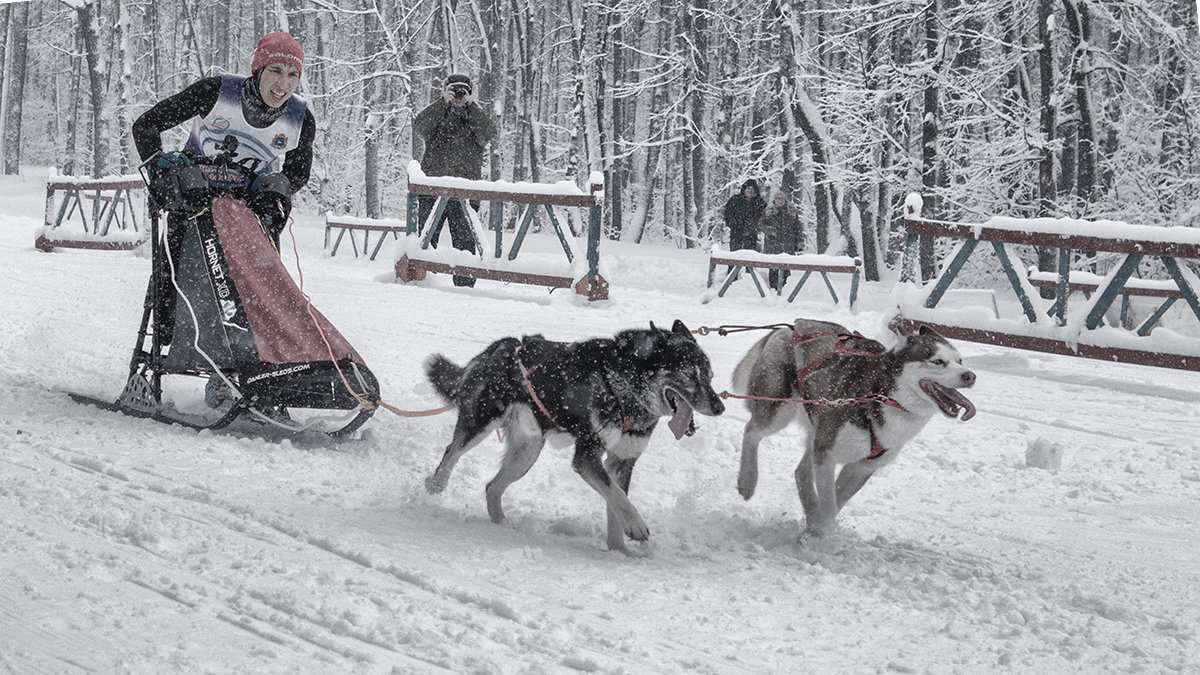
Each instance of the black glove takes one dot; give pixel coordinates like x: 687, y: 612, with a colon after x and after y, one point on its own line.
x: 274, y: 189
x: 175, y: 184
x: 271, y: 199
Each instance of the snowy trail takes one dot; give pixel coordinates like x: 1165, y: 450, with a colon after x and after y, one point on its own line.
x: 131, y: 546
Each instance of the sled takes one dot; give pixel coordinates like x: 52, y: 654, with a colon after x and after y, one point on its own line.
x: 240, y: 325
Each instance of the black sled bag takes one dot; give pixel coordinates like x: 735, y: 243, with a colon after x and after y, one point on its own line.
x: 238, y: 309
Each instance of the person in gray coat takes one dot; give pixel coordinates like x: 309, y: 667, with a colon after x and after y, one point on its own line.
x: 455, y: 130
x: 782, y: 233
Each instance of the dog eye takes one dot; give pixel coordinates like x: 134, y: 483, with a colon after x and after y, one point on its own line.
x: 939, y: 362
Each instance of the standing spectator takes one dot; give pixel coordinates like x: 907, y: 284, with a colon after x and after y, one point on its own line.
x: 455, y: 130
x: 782, y: 233
x: 742, y: 213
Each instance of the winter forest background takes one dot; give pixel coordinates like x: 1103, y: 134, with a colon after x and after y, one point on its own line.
x: 1079, y: 108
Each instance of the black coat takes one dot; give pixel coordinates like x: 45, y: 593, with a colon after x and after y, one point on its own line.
x: 454, y: 139
x: 742, y: 214
x: 781, y: 228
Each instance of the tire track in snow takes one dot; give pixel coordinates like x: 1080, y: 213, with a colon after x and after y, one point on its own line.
x: 281, y: 618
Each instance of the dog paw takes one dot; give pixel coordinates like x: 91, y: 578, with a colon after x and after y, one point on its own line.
x: 435, y: 484
x: 747, y: 480
x: 637, y: 530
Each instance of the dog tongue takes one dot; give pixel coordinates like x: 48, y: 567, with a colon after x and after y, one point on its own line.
x: 964, y: 402
x: 682, y: 420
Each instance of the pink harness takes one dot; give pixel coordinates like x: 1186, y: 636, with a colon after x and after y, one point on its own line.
x: 839, y: 347
x: 525, y: 373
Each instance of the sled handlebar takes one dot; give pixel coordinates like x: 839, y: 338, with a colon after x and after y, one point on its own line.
x: 182, y: 181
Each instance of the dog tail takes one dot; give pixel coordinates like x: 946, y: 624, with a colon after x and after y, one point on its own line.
x: 444, y: 375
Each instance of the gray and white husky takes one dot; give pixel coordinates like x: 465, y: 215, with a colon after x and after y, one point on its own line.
x: 862, y: 403
x: 607, y: 394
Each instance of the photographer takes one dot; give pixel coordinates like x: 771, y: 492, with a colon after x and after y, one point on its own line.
x: 456, y: 131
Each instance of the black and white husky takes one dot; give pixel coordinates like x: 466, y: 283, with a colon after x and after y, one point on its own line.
x: 606, y: 393
x: 861, y: 404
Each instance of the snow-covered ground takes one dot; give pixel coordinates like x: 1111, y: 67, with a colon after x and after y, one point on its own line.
x: 130, y: 546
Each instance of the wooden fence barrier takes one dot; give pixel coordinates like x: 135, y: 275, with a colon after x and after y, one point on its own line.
x: 808, y: 263
x: 112, y: 203
x: 580, y: 272
x: 1055, y: 328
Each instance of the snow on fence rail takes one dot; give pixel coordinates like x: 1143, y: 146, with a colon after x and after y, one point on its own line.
x: 581, y: 270
x: 750, y: 261
x: 351, y: 224
x: 1053, y: 327
x: 112, y: 202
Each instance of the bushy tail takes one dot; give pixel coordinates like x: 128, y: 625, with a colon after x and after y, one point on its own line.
x: 444, y: 375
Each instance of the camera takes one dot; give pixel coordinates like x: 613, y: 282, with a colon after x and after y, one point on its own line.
x: 459, y: 90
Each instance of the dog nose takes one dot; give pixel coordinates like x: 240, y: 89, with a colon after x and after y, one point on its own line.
x: 718, y: 406
x: 968, y: 378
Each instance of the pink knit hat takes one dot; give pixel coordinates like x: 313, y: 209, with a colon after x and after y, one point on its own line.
x: 278, y: 48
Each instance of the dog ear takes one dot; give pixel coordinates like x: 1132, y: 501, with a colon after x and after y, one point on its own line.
x: 638, y: 344
x: 926, y: 330
x: 680, y: 329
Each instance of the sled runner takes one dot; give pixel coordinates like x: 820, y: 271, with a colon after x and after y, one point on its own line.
x: 234, y: 318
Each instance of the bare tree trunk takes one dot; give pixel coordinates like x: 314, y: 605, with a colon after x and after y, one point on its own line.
x: 597, y: 132
x: 491, y: 81
x: 1112, y: 91
x: 1046, y: 184
x: 618, y: 172
x: 810, y: 122
x: 1079, y: 27
x: 528, y: 99
x: 650, y: 175
x: 576, y: 11
x: 866, y: 192
x: 14, y: 85
x: 260, y: 27
x: 152, y: 30
x: 89, y: 30
x: 75, y: 96
x: 193, y: 38
x: 128, y: 156
x: 373, y: 21
x: 5, y: 12
x: 1178, y: 140
x: 808, y: 118
x: 695, y: 28
x: 929, y: 137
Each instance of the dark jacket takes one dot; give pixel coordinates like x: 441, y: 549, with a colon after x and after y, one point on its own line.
x: 198, y: 100
x: 742, y: 214
x: 454, y: 139
x: 781, y: 228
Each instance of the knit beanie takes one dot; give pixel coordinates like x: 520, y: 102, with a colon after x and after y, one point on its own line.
x: 459, y: 79
x: 278, y: 48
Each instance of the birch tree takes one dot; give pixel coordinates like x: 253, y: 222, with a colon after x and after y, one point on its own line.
x: 15, y: 58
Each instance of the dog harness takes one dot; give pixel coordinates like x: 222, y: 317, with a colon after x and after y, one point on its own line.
x: 526, y: 372
x: 839, y: 347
